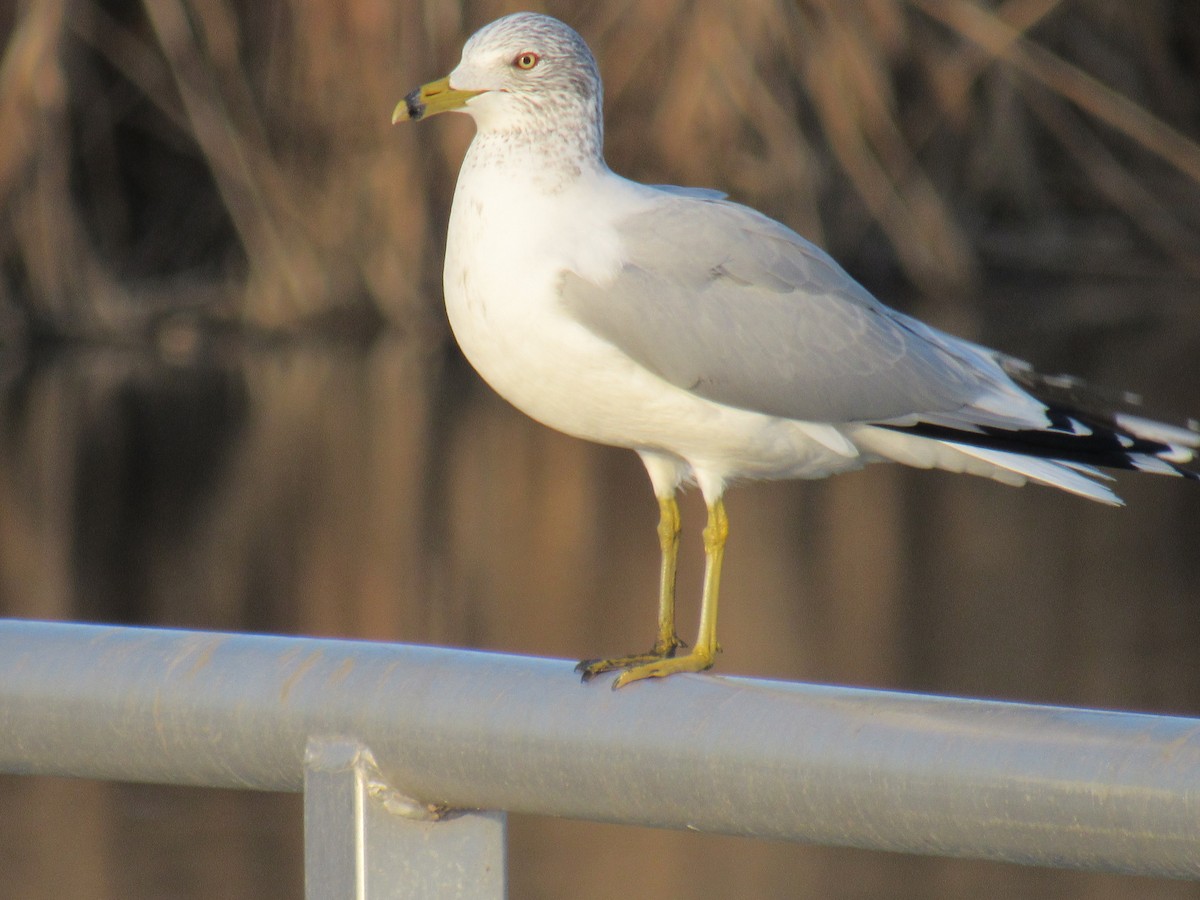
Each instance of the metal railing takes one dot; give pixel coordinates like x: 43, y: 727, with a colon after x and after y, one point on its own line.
x: 385, y: 739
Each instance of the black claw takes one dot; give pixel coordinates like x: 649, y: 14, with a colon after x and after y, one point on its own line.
x: 584, y: 668
x: 590, y: 668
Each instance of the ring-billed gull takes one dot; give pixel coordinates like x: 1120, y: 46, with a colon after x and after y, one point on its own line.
x: 712, y: 340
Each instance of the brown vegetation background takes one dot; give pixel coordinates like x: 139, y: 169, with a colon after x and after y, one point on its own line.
x: 229, y: 398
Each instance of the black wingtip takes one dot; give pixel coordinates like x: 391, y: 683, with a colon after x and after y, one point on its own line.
x: 1073, y: 437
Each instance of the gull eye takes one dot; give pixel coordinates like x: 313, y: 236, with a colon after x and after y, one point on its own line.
x: 526, y: 60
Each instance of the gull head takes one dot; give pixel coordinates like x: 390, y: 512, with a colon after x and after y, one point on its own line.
x: 524, y: 73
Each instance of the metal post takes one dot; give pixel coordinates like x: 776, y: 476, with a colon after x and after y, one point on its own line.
x: 365, y: 840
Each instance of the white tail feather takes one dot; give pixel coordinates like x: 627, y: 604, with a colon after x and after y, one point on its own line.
x: 1044, y: 471
x: 1010, y: 468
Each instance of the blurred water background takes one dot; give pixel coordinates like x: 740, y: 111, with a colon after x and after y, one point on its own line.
x: 229, y: 398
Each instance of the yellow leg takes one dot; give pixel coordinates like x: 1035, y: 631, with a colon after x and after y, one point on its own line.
x: 668, y: 540
x: 668, y: 641
x: 704, y: 653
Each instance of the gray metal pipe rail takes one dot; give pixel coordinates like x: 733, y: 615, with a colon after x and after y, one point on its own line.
x: 1038, y: 785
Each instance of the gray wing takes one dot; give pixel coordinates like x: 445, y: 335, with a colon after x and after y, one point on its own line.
x: 724, y: 302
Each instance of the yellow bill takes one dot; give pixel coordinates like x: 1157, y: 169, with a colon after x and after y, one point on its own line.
x: 431, y: 99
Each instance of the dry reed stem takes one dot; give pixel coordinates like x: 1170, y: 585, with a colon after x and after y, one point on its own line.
x: 1153, y: 217
x: 843, y: 120
x: 1006, y: 44
x: 40, y: 228
x: 853, y: 92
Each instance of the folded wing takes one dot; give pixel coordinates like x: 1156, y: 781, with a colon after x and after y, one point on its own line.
x: 724, y: 302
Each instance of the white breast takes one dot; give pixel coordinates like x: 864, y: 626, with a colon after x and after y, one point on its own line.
x: 504, y: 260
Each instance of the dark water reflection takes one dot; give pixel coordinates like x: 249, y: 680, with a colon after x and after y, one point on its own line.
x: 385, y: 493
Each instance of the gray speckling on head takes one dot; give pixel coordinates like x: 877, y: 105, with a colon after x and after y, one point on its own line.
x: 552, y: 112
